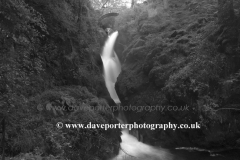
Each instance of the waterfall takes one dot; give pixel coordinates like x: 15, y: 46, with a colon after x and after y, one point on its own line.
x: 131, y: 148
x: 112, y: 66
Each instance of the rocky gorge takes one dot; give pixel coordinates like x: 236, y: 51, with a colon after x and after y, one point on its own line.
x: 182, y: 56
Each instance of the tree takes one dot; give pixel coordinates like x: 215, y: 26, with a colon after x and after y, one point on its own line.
x: 101, y: 4
x: 132, y: 4
x: 105, y: 3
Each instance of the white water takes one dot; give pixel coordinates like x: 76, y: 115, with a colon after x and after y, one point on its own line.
x: 131, y: 148
x: 112, y: 66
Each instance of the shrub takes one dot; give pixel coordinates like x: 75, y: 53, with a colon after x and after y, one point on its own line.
x: 152, y: 14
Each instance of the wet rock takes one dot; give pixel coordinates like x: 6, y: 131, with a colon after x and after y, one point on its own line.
x: 121, y: 44
x: 119, y: 48
x: 130, y: 81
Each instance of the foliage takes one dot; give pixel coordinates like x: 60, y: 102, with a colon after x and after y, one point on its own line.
x: 37, y: 131
x: 185, y: 63
x: 107, y: 6
x: 103, y: 4
x: 130, y: 17
x: 135, y: 18
x: 21, y: 67
x: 200, y: 78
x: 30, y: 156
x: 44, y: 45
x: 78, y: 143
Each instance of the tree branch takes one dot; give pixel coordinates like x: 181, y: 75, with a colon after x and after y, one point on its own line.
x: 105, y: 3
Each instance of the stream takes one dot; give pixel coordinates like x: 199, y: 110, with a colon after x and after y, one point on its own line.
x: 131, y: 148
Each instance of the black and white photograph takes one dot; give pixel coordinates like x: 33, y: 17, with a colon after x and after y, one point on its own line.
x: 119, y: 79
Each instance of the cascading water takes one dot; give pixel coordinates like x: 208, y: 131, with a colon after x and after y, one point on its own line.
x: 112, y: 66
x: 131, y: 148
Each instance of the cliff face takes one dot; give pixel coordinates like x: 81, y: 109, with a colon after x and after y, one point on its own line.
x: 50, y: 52
x: 75, y: 40
x: 182, y: 56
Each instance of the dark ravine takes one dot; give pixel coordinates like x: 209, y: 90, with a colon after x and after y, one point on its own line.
x: 191, y: 59
x: 130, y: 147
x: 185, y: 53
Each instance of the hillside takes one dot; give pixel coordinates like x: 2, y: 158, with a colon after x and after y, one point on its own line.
x: 50, y: 58
x: 185, y: 55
